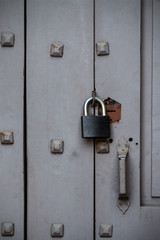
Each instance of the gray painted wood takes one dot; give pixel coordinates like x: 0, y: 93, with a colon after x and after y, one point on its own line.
x: 155, y: 100
x: 11, y: 108
x: 147, y: 68
x: 60, y: 187
x: 118, y: 76
x: 149, y: 223
x: 146, y: 107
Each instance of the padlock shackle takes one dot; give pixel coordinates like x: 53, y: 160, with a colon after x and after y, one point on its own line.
x: 96, y: 99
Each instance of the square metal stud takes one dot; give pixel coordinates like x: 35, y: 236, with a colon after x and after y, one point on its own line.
x: 57, y: 230
x: 102, y: 146
x: 56, y: 49
x: 7, y: 39
x: 7, y: 229
x: 105, y: 230
x: 7, y: 137
x: 57, y: 146
x: 102, y: 48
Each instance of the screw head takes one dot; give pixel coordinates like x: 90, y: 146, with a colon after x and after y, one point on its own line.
x: 7, y: 137
x: 102, y: 48
x: 7, y: 39
x: 7, y: 229
x: 56, y: 49
x: 57, y: 230
x: 105, y: 230
x: 57, y: 146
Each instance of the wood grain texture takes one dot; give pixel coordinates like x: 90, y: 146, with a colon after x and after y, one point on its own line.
x: 155, y: 100
x: 60, y: 187
x: 118, y: 77
x: 11, y: 108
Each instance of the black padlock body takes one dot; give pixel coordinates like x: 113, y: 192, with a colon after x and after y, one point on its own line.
x: 95, y: 126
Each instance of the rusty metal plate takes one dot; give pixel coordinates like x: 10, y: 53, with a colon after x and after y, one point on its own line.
x: 113, y: 109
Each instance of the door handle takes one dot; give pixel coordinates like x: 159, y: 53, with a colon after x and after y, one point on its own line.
x: 122, y: 149
x: 122, y: 178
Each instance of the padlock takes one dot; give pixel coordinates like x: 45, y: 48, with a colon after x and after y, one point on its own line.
x: 95, y: 126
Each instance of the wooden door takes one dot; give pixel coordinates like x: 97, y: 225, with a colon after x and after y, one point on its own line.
x: 53, y: 183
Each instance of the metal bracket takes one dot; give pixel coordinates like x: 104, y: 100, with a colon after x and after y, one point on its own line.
x: 113, y: 109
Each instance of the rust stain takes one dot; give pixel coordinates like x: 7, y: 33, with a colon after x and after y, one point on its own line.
x: 55, y: 46
x: 6, y: 134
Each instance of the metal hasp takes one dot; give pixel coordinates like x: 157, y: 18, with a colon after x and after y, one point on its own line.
x: 122, y: 149
x: 113, y: 109
x: 95, y: 126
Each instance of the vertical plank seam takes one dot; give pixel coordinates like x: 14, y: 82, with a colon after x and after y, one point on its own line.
x: 94, y: 156
x: 152, y: 99
x: 141, y: 104
x: 25, y: 120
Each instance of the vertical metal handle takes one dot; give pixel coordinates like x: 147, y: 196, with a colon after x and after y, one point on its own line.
x: 122, y: 149
x: 122, y: 178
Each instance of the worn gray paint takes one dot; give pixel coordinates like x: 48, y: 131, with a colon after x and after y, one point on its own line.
x: 155, y: 101
x: 60, y: 187
x: 11, y: 108
x: 146, y: 89
x: 149, y: 165
x: 118, y: 77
